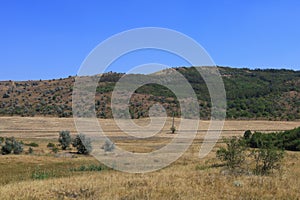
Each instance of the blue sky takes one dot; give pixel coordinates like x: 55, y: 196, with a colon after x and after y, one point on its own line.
x: 50, y: 39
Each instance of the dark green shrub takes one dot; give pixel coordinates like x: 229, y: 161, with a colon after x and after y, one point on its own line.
x: 32, y: 144
x: 288, y: 140
x: 82, y: 144
x: 247, y: 135
x: 64, y: 139
x: 50, y: 145
x: 7, y: 148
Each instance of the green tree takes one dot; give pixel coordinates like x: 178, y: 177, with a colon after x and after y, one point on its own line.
x: 64, y: 139
x: 83, y: 144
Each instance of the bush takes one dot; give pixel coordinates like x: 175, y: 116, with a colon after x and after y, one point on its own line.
x: 247, y: 135
x: 64, y: 139
x: 7, y: 147
x: 267, y: 159
x: 82, y: 144
x: 91, y: 167
x: 5, y: 96
x: 17, y: 147
x: 233, y: 155
x: 50, y: 145
x: 54, y: 149
x: 30, y: 150
x: 108, y: 146
x: 32, y: 144
x: 11, y: 145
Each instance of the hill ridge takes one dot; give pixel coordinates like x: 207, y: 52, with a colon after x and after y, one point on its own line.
x: 272, y: 94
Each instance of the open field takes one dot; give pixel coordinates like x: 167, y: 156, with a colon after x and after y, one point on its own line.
x: 45, y: 175
x: 48, y: 127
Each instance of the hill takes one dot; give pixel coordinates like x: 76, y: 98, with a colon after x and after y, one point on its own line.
x: 251, y: 94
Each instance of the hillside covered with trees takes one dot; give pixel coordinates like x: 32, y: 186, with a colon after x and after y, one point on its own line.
x: 251, y: 94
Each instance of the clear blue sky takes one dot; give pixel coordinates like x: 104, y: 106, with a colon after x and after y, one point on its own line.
x: 50, y: 39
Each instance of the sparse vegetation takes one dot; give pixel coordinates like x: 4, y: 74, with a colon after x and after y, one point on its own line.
x: 267, y: 159
x: 54, y: 149
x: 32, y: 144
x: 234, y: 153
x: 43, y: 175
x: 39, y: 174
x: 92, y: 167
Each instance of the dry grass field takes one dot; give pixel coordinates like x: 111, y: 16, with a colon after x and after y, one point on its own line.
x: 46, y: 175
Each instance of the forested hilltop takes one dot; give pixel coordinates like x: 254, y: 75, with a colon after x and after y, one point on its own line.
x: 251, y: 94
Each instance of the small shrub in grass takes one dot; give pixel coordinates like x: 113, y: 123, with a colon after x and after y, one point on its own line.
x: 54, y: 149
x: 30, y: 150
x: 83, y: 144
x: 32, y: 144
x: 64, y: 139
x: 50, y: 145
x: 39, y: 174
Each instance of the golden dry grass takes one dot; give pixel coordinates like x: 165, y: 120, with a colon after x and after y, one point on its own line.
x: 182, y: 180
x: 187, y: 178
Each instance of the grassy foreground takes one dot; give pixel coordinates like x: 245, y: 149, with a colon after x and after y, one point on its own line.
x: 187, y: 178
x: 46, y: 175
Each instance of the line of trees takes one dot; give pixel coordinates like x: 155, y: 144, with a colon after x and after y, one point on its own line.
x: 287, y: 140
